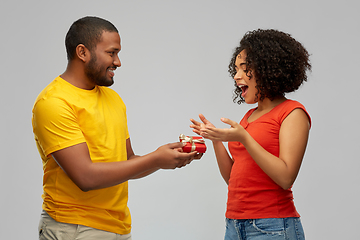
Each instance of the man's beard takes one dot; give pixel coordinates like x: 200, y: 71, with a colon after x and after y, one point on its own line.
x: 93, y: 72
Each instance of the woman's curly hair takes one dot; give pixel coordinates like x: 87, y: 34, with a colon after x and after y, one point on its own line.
x: 276, y: 60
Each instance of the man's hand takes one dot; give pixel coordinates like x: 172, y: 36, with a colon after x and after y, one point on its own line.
x: 171, y: 156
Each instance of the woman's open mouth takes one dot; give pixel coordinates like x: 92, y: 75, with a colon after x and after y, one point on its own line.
x: 244, y: 89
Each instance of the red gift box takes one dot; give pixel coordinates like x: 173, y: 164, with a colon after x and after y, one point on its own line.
x: 193, y: 143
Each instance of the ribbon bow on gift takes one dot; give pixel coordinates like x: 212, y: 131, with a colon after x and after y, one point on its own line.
x: 191, y: 140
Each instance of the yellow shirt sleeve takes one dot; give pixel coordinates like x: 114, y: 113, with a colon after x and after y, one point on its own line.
x: 56, y: 125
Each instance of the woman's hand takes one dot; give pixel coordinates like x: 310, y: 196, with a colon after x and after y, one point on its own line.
x: 236, y: 133
x: 225, y: 162
x: 207, y: 130
x: 198, y: 126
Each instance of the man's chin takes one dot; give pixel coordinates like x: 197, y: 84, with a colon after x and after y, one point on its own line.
x: 106, y: 83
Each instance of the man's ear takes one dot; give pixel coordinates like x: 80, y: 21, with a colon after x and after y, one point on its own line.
x: 82, y: 53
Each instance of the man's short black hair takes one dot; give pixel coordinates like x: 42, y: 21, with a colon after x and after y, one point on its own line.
x: 87, y: 31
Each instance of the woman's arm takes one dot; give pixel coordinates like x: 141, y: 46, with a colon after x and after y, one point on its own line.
x: 224, y: 161
x: 293, y: 138
x: 222, y: 156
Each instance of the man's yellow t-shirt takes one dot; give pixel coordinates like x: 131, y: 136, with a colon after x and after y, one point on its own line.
x: 63, y: 116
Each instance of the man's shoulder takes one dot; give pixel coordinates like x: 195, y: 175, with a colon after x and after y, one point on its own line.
x: 53, y: 87
x: 53, y: 94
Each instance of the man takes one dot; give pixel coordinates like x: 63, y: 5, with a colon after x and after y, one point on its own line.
x: 81, y: 132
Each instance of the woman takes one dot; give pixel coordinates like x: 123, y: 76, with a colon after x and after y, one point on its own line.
x: 268, y: 145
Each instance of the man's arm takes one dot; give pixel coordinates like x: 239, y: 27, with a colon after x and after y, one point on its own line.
x: 131, y: 156
x: 87, y: 175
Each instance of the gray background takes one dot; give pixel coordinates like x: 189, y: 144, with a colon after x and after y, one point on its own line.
x: 174, y: 66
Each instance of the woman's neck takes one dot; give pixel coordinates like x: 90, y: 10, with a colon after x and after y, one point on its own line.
x: 267, y: 104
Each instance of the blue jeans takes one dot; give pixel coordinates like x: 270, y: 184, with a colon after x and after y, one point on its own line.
x: 264, y: 229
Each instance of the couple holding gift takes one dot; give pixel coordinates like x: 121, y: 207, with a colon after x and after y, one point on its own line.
x: 80, y: 129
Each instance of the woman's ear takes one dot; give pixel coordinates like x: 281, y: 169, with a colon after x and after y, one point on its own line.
x: 82, y: 53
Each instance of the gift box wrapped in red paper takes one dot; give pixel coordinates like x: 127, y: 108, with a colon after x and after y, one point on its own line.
x: 193, y: 143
